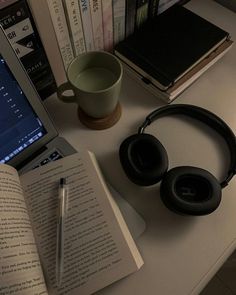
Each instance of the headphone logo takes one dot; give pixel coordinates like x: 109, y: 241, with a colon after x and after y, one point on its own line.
x: 188, y: 191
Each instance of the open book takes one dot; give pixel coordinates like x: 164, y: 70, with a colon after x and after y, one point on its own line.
x: 98, y: 246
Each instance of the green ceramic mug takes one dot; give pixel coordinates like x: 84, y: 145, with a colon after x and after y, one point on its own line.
x: 95, y: 79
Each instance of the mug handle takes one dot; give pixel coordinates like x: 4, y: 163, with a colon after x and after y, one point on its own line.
x: 65, y: 98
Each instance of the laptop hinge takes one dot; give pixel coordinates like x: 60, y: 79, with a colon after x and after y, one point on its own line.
x: 31, y: 157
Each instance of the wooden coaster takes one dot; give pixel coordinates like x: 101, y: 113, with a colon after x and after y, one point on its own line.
x: 101, y: 123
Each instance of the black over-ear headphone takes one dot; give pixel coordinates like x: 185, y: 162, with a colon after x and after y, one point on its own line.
x: 184, y: 190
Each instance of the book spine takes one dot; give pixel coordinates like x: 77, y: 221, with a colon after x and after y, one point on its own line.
x: 107, y: 22
x: 58, y: 17
x: 18, y: 24
x: 141, y: 12
x: 118, y: 20
x: 96, y: 16
x: 41, y: 15
x: 130, y: 17
x: 87, y: 24
x: 153, y: 8
x: 72, y: 11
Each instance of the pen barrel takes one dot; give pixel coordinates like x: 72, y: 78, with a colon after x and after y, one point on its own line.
x: 60, y: 250
x: 62, y: 198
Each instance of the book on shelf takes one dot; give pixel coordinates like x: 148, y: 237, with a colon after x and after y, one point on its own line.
x: 169, y: 45
x: 118, y: 20
x: 87, y: 24
x: 107, y: 22
x: 173, y: 92
x: 17, y: 21
x: 96, y: 16
x: 130, y: 17
x: 58, y: 18
x: 43, y: 22
x: 141, y: 12
x: 98, y: 249
x: 73, y: 16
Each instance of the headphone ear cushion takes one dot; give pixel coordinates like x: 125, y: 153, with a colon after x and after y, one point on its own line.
x: 143, y: 158
x: 190, y: 190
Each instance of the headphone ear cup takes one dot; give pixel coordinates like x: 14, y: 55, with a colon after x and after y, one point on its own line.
x: 143, y: 158
x: 190, y: 191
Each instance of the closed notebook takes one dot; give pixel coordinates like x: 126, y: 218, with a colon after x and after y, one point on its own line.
x: 166, y: 47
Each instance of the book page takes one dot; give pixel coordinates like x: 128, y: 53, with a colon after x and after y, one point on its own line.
x: 96, y: 252
x: 20, y: 269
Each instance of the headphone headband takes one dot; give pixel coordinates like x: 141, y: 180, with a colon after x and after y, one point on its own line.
x: 206, y: 117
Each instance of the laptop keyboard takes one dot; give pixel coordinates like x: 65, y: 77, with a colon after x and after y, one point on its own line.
x: 55, y: 155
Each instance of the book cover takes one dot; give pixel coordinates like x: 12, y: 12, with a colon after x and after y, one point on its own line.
x: 43, y: 22
x: 130, y: 17
x: 118, y: 20
x: 17, y: 21
x: 58, y: 17
x: 107, y: 23
x: 166, y: 47
x: 87, y: 24
x: 96, y: 16
x: 73, y: 16
x: 98, y: 247
x: 187, y: 80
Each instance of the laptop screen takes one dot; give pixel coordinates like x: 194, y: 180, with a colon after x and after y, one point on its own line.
x: 20, y: 127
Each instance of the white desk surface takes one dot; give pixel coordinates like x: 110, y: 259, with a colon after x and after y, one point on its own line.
x: 181, y: 254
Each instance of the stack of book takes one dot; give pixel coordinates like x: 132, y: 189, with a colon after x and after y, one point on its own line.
x: 69, y: 28
x: 162, y: 44
x: 169, y: 52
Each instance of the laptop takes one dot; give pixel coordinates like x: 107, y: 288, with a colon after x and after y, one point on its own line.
x: 28, y: 137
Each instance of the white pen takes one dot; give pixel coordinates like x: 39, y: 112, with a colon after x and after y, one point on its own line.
x: 62, y: 199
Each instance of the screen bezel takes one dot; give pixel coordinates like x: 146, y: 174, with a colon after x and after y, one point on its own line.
x: 20, y: 74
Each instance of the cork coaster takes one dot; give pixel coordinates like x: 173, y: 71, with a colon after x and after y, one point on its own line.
x: 100, y: 123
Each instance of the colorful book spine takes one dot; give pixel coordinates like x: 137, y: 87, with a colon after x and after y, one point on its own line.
x: 107, y: 22
x: 87, y: 24
x: 118, y: 20
x: 130, y: 18
x: 96, y: 15
x: 61, y: 30
x: 141, y: 12
x: 18, y: 24
x: 72, y: 11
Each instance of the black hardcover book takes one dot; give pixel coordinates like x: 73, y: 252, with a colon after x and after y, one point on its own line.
x: 16, y: 20
x: 169, y: 45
